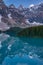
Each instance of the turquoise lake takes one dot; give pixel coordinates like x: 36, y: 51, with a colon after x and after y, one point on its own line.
x: 20, y: 50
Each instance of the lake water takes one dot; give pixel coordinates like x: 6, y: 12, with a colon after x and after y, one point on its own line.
x: 20, y: 50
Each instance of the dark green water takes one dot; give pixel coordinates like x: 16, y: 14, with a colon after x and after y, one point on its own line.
x: 20, y: 50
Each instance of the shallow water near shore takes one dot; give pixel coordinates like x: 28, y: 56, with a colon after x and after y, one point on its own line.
x: 20, y: 50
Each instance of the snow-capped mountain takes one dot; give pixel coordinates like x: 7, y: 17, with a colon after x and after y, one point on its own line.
x: 20, y: 17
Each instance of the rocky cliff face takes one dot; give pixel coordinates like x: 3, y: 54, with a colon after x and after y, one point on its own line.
x: 20, y: 17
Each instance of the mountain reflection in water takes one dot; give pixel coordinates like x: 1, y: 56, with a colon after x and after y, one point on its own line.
x: 20, y: 50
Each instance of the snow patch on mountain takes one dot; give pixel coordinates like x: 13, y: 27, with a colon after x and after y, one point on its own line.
x: 0, y: 18
x: 27, y: 21
x: 37, y: 23
x: 32, y: 5
x: 9, y: 16
x: 3, y: 26
x: 33, y: 23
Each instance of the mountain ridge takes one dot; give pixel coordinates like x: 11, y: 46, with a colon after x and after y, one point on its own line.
x: 21, y: 17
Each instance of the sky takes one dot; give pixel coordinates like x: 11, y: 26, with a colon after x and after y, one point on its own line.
x: 25, y: 3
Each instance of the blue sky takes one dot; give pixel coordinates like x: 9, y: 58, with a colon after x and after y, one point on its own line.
x: 25, y: 3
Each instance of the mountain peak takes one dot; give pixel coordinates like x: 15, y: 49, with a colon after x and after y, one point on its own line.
x: 2, y: 4
x: 41, y: 4
x: 20, y: 7
x: 1, y: 1
x: 11, y: 6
